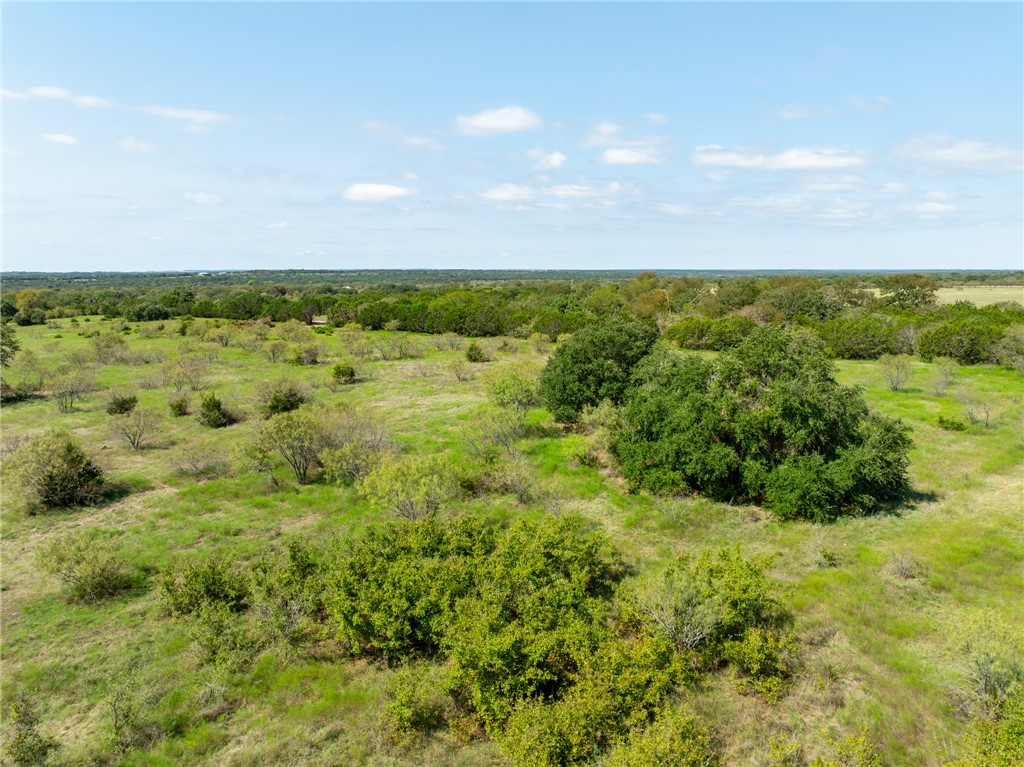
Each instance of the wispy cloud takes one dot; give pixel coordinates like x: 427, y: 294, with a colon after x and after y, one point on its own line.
x: 512, y: 119
x: 620, y: 149
x: 375, y: 192
x: 834, y: 183
x: 872, y: 104
x: 940, y: 149
x: 12, y: 95
x: 585, y: 190
x: 804, y: 113
x: 803, y: 158
x: 203, y: 198
x: 280, y: 225
x: 59, y: 138
x: 136, y: 145
x: 194, y: 120
x: 395, y: 133
x: 650, y: 155
x: 547, y: 160
x: 509, y: 193
x: 55, y: 92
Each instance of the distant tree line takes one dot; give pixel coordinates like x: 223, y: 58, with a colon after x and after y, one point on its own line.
x: 899, y: 315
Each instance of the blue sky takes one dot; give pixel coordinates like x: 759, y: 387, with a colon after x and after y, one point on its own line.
x: 826, y: 136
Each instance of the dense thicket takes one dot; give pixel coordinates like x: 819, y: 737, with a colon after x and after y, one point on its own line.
x: 766, y: 422
x: 546, y: 648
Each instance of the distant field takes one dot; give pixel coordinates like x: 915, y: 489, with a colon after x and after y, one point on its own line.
x: 981, y: 295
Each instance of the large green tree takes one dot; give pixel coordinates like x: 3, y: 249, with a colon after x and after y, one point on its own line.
x: 594, y: 365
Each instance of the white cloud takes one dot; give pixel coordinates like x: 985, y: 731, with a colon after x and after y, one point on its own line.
x: 940, y: 149
x: 893, y: 187
x: 938, y: 195
x: 547, y: 160
x: 59, y: 138
x: 280, y: 225
x: 13, y: 95
x: 584, y: 190
x: 385, y: 130
x: 8, y: 151
x: 203, y: 198
x: 504, y: 120
x: 604, y: 134
x: 155, y: 238
x: 196, y: 117
x: 375, y: 192
x: 803, y: 158
x: 509, y: 193
x: 931, y: 208
x: 132, y: 144
x: 873, y: 104
x: 49, y: 92
x: 834, y: 184
x: 90, y: 102
x: 650, y: 155
x: 653, y: 118
x: 770, y: 205
x: 804, y: 113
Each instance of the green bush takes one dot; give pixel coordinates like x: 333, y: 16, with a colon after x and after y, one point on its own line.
x: 708, y: 334
x: 765, y: 422
x: 187, y: 587
x: 677, y: 738
x: 121, y: 403
x: 414, y: 703
x: 860, y: 336
x: 24, y: 745
x: 343, y: 373
x: 594, y: 365
x: 767, y: 660
x: 968, y: 341
x: 179, y: 406
x: 90, y: 567
x: 213, y: 414
x: 280, y: 397
x: 51, y: 471
x: 619, y: 688
x: 412, y: 487
x: 474, y: 353
x: 950, y: 424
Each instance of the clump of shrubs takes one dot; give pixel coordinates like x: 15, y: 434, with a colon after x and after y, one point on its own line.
x: 213, y: 413
x: 90, y: 566
x: 179, y: 406
x: 412, y: 487
x: 950, y: 424
x: 280, y: 397
x: 343, y: 374
x: 121, y: 403
x: 475, y: 353
x: 766, y: 422
x: 50, y: 471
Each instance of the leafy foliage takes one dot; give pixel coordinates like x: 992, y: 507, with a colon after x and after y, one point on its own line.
x: 594, y: 365
x: 52, y: 472
x: 89, y: 566
x: 766, y: 422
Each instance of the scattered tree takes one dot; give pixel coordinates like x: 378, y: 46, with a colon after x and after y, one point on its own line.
x: 897, y: 369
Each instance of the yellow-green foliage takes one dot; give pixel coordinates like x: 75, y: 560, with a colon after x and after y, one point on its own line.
x: 412, y: 487
x: 90, y: 566
x: 677, y: 738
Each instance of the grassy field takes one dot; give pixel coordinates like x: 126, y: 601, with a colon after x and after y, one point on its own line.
x: 981, y: 295
x: 881, y: 652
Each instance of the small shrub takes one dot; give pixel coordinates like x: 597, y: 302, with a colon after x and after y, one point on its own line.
x: 135, y: 428
x: 461, y: 370
x: 766, y: 659
x: 410, y: 487
x: 90, y: 567
x: 51, y: 471
x: 951, y: 424
x: 414, y: 704
x: 199, y: 461
x: 677, y: 738
x: 343, y: 374
x: 189, y: 587
x: 279, y: 397
x: 121, y: 403
x: 179, y: 406
x: 896, y: 368
x: 213, y: 414
x: 905, y: 567
x: 24, y: 745
x: 474, y: 353
x: 308, y: 354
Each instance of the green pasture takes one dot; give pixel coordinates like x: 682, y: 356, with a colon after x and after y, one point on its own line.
x: 881, y: 652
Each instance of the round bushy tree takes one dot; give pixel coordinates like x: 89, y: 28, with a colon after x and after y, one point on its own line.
x: 594, y: 365
x: 767, y: 422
